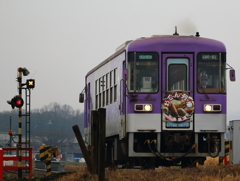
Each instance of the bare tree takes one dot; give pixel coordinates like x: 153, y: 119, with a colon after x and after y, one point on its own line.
x: 52, y: 124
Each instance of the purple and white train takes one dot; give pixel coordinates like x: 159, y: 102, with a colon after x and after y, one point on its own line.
x: 165, y: 100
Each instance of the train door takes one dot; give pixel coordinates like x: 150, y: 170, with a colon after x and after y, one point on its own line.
x: 88, y: 112
x: 122, y: 131
x: 177, y: 92
x: 123, y: 90
x: 88, y: 103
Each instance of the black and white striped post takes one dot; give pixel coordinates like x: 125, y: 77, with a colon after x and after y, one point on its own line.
x: 19, y: 144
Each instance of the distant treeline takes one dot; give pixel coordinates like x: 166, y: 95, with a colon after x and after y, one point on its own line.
x: 51, y: 125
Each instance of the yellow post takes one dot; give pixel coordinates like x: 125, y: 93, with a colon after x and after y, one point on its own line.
x: 46, y: 154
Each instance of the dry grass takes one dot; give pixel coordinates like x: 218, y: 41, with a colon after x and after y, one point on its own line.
x: 209, y: 172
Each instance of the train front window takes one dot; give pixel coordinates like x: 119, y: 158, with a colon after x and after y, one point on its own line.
x: 177, y: 74
x: 211, y: 73
x: 143, y: 72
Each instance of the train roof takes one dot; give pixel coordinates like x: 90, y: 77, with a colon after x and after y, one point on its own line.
x: 170, y: 43
x: 166, y: 43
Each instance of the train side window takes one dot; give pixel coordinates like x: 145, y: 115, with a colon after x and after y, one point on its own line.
x: 96, y: 102
x: 99, y: 85
x: 96, y: 87
x: 111, y: 77
x: 107, y: 80
x: 100, y: 100
x: 111, y: 91
x: 115, y: 77
x: 107, y: 95
x: 115, y: 85
x: 107, y: 88
x: 103, y: 98
x: 115, y: 93
x: 96, y: 93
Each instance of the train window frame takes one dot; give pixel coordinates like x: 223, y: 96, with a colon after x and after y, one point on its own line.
x: 138, y: 63
x: 212, y: 66
x: 99, y: 85
x: 96, y: 86
x: 115, y: 76
x: 107, y: 80
x: 115, y: 85
x: 111, y: 77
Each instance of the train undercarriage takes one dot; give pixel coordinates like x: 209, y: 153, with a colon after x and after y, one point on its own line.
x: 151, y: 150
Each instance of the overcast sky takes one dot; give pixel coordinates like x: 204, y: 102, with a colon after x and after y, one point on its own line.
x: 59, y: 41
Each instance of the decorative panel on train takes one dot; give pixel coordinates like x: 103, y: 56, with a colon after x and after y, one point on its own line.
x: 177, y: 109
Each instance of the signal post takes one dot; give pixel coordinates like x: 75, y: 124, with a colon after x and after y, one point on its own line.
x: 18, y: 102
x: 19, y: 144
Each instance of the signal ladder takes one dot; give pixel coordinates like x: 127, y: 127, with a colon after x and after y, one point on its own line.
x: 27, y: 117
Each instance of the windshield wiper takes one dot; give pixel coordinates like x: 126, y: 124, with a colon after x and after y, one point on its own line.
x: 204, y: 91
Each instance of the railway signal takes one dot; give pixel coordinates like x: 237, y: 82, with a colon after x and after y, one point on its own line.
x: 23, y: 70
x: 30, y: 83
x: 17, y: 101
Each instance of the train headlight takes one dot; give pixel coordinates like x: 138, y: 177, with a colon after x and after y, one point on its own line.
x: 207, y: 107
x: 212, y: 107
x: 148, y: 107
x: 143, y: 107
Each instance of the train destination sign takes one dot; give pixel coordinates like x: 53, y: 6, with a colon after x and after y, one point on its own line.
x: 148, y: 57
x: 209, y: 57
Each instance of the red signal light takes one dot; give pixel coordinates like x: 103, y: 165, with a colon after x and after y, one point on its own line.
x: 17, y: 101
